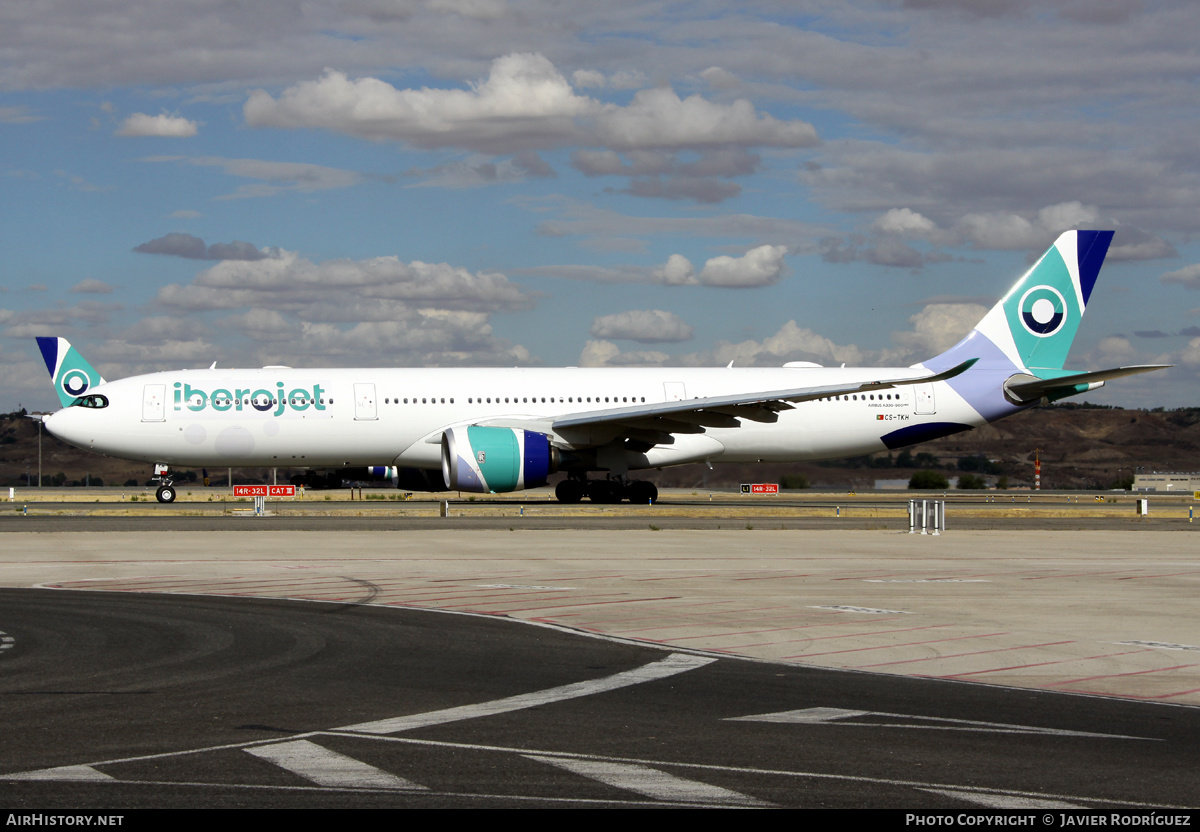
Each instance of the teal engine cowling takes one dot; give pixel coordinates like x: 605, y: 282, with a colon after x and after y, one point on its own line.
x: 484, y: 460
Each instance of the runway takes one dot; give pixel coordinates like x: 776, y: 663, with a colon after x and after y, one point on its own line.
x: 144, y: 700
x: 869, y: 641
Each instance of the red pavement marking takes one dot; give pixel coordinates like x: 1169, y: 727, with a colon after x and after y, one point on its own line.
x: 596, y: 603
x: 891, y: 646
x: 673, y: 613
x: 960, y: 655
x: 848, y: 635
x: 1130, y: 673
x: 1075, y: 574
x: 1163, y: 575
x: 722, y: 634
x: 1140, y: 696
x: 1036, y: 664
x: 675, y: 577
x: 884, y: 632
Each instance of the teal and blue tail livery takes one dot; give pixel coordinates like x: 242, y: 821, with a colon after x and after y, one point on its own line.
x: 1041, y: 314
x: 72, y: 375
x: 1022, y: 343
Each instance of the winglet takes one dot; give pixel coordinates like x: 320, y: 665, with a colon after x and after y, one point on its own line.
x: 956, y: 370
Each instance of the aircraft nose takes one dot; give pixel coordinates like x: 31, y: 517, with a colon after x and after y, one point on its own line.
x: 65, y: 424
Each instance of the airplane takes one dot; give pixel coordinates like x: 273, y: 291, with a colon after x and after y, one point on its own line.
x: 493, y: 430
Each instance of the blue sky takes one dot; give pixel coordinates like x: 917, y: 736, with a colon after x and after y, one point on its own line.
x: 498, y: 182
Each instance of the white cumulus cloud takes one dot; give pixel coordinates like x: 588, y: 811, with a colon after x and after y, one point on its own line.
x: 174, y: 127
x: 524, y: 103
x: 677, y: 271
x: 1188, y: 276
x: 905, y: 221
x: 936, y: 328
x: 999, y: 230
x: 660, y: 118
x: 760, y: 266
x: 644, y: 325
x: 607, y: 354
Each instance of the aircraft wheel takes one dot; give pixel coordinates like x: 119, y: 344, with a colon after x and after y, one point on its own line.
x: 166, y: 494
x: 605, y: 491
x: 642, y: 492
x: 569, y: 491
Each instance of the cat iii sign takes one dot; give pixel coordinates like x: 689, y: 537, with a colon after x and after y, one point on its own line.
x: 264, y: 491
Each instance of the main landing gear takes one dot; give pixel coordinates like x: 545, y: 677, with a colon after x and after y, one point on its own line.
x: 638, y: 492
x: 166, y: 488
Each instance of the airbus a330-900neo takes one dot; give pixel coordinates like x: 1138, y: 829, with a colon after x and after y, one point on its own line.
x: 499, y: 430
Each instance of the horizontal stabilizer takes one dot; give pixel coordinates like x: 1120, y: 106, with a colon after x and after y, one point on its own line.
x: 1036, y: 388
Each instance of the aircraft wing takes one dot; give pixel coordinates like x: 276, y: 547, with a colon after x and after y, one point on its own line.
x: 693, y: 415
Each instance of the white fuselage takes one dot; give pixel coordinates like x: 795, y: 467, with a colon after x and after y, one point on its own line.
x: 321, y: 418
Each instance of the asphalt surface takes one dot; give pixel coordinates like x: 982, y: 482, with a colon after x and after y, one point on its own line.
x: 382, y: 521
x: 144, y: 700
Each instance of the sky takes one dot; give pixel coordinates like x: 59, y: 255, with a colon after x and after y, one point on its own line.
x: 408, y: 183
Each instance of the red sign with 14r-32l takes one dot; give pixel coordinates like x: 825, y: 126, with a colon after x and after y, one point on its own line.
x: 264, y: 491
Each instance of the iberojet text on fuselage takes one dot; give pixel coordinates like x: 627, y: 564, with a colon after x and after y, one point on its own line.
x: 224, y: 399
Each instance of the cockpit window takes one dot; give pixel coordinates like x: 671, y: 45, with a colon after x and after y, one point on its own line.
x: 95, y: 401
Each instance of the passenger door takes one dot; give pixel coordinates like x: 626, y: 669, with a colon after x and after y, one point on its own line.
x: 364, y: 402
x: 154, y: 403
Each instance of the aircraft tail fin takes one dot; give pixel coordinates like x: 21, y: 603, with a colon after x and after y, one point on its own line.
x: 1035, y: 323
x: 1023, y: 341
x: 72, y: 374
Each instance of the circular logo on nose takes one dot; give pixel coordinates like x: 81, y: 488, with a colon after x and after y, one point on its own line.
x: 75, y: 383
x: 1043, y: 311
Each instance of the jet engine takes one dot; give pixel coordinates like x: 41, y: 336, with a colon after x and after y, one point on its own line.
x: 483, y: 459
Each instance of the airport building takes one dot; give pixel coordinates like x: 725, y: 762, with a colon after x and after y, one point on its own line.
x: 1167, y: 481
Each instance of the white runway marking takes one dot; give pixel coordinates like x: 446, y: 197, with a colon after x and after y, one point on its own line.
x: 319, y: 765
x: 862, y: 610
x: 83, y: 773
x: 650, y: 782
x: 70, y: 773
x: 1160, y: 644
x: 810, y: 716
x: 926, y: 581
x: 830, y: 716
x: 1005, y: 801
x: 524, y: 586
x: 671, y: 665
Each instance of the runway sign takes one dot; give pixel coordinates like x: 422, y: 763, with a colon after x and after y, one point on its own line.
x: 264, y: 491
x: 760, y: 488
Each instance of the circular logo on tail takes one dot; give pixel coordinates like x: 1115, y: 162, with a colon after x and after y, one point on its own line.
x: 75, y: 383
x: 1043, y: 311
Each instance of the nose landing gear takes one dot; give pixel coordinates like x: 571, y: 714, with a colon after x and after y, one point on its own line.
x: 166, y: 488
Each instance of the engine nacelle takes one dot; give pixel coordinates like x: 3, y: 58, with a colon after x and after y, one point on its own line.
x: 483, y: 460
